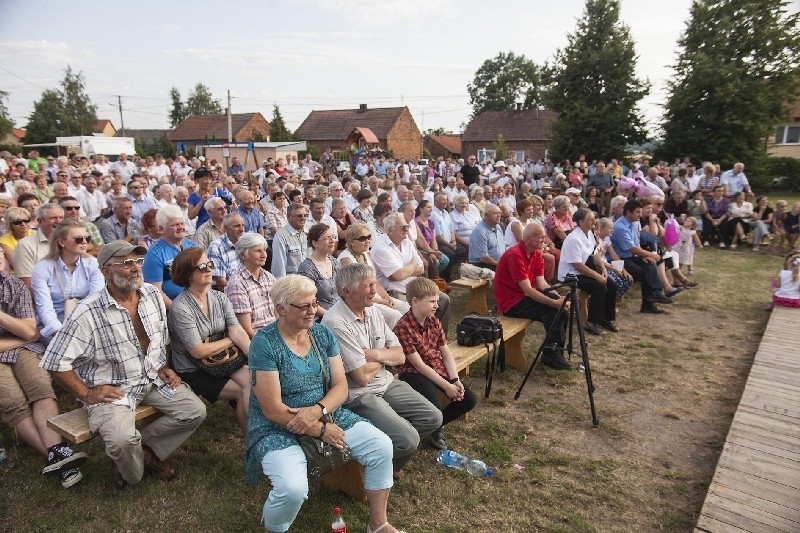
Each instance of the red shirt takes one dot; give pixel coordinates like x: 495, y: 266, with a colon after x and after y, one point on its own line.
x: 425, y: 339
x: 514, y: 266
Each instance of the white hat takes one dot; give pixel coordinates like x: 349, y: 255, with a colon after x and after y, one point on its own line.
x: 573, y: 190
x: 500, y: 164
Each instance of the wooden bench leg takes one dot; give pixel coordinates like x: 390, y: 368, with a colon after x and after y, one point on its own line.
x: 514, y: 356
x: 348, y: 478
x: 477, y: 300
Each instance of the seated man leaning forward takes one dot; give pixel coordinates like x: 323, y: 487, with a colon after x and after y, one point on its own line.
x: 397, y: 262
x: 518, y: 289
x: 111, y: 353
x: 368, y: 346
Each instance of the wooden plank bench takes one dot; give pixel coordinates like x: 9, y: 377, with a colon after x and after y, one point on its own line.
x: 74, y: 425
x: 478, y: 291
x: 349, y: 478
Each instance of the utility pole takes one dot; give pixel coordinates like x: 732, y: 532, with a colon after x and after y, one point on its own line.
x: 230, y: 119
x: 121, y: 119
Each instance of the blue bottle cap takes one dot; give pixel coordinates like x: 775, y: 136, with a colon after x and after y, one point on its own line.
x: 490, y: 471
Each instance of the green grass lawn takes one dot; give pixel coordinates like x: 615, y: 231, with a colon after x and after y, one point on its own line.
x: 667, y: 388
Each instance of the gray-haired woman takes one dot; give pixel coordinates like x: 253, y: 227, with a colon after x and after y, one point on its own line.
x: 250, y: 285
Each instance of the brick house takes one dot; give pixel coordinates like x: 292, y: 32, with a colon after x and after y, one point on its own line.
x: 197, y: 131
x: 786, y: 140
x: 390, y: 128
x: 443, y: 145
x: 106, y: 127
x: 526, y: 133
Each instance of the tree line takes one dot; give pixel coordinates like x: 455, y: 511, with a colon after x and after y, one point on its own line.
x: 737, y: 73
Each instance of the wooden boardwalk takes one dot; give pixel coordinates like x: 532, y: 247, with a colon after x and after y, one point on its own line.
x: 756, y: 486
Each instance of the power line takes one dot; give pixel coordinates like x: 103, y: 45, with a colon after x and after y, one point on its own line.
x: 23, y: 79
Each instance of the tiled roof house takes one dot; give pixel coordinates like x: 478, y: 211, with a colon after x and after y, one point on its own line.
x: 213, y: 129
x: 525, y: 132
x: 392, y: 127
x: 443, y: 145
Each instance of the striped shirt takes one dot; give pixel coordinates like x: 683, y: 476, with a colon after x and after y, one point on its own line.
x: 223, y: 252
x: 99, y: 343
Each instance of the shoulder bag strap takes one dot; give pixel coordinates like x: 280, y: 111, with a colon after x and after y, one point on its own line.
x: 325, y: 378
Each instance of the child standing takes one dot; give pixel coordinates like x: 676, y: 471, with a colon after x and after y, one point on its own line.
x: 787, y: 284
x: 429, y: 367
x: 778, y: 218
x: 792, y: 226
x: 689, y: 242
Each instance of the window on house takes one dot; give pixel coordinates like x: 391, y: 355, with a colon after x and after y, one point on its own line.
x: 484, y: 154
x: 787, y: 135
x: 519, y: 155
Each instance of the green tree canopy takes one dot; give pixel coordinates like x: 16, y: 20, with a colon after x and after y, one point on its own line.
x: 177, y: 112
x: 202, y: 102
x: 594, y: 89
x: 62, y: 112
x: 6, y: 123
x: 737, y: 70
x: 48, y: 119
x: 277, y: 127
x: 503, y: 81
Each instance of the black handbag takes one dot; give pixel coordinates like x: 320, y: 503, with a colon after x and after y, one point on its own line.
x: 474, y: 330
x: 322, y: 457
x: 224, y: 363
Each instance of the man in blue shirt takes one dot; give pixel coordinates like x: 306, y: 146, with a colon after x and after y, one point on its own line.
x: 254, y: 221
x: 235, y: 167
x: 157, y: 268
x: 487, y: 242
x: 640, y: 263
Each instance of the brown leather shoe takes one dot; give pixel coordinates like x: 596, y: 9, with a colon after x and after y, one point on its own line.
x: 162, y: 470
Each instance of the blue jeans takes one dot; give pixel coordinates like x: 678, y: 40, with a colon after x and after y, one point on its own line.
x: 287, y: 471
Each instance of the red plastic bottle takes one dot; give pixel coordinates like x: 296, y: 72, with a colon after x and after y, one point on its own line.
x: 338, y: 525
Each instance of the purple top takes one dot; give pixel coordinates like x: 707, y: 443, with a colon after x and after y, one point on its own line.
x: 428, y: 232
x: 717, y: 209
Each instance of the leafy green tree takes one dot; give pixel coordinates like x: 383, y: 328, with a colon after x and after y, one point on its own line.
x: 78, y: 106
x: 437, y: 131
x: 500, y: 148
x: 202, y: 102
x: 177, y: 112
x: 593, y: 88
x: 277, y: 127
x: 737, y: 69
x: 48, y: 119
x: 503, y: 81
x: 6, y: 123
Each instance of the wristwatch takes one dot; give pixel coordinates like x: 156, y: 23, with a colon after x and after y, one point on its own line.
x: 324, y: 409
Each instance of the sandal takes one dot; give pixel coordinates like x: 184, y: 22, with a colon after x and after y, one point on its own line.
x: 162, y: 470
x: 116, y: 477
x: 380, y: 527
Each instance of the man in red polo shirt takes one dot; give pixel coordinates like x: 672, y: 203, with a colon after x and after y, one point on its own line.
x: 518, y: 285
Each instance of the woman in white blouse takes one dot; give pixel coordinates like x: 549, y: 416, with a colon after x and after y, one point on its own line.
x: 465, y: 217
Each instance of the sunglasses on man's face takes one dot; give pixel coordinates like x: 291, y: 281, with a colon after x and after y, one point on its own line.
x: 71, y: 207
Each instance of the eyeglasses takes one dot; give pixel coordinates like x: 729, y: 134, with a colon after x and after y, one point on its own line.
x: 364, y: 238
x: 71, y: 207
x: 205, y: 267
x: 21, y: 222
x: 132, y: 187
x: 301, y: 215
x: 81, y: 239
x: 306, y: 308
x: 128, y: 263
x: 402, y: 228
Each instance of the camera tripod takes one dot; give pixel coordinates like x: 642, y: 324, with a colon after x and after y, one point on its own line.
x: 573, y: 320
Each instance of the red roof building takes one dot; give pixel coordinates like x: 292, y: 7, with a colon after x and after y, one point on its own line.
x: 526, y: 133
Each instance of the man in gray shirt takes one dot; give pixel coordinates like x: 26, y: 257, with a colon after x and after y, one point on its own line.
x: 604, y: 183
x: 290, y: 245
x: 368, y: 346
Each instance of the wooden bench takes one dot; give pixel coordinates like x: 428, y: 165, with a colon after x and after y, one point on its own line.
x: 349, y: 478
x: 74, y: 425
x: 478, y: 291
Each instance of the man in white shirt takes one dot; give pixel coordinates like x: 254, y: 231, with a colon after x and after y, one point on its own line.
x: 102, y: 165
x: 317, y: 208
x: 124, y: 167
x: 75, y: 185
x: 735, y: 181
x: 93, y: 201
x: 167, y: 196
x: 396, y: 262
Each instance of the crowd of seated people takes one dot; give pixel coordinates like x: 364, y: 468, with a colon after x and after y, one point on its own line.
x: 280, y: 262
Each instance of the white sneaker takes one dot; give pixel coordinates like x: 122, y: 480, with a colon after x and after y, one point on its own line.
x: 722, y: 245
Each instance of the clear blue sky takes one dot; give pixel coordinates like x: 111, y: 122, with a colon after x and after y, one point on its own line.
x: 303, y: 55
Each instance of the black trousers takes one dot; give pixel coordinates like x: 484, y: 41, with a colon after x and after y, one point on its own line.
x: 645, y: 273
x: 710, y: 231
x: 429, y: 390
x: 602, y: 298
x: 456, y: 255
x: 530, y: 308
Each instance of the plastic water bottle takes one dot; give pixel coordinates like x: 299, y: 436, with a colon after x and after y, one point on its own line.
x: 475, y: 467
x: 338, y: 525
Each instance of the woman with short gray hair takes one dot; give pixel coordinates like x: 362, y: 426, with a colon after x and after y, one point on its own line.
x: 249, y: 287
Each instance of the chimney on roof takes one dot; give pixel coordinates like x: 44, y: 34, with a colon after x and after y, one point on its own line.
x: 362, y: 107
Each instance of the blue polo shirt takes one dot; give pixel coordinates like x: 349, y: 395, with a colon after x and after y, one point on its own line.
x: 253, y: 219
x: 625, y: 237
x: 158, y: 265
x: 486, y: 241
